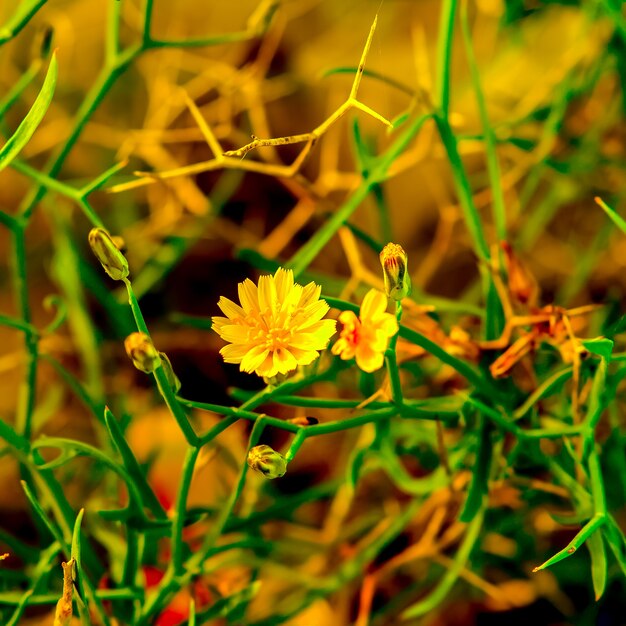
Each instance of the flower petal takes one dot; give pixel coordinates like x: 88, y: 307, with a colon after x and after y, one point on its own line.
x: 313, y: 313
x: 235, y: 333
x: 374, y: 303
x: 248, y: 296
x: 316, y: 337
x: 267, y: 295
x: 284, y: 283
x: 253, y: 359
x: 387, y: 325
x: 304, y: 357
x: 348, y: 318
x: 230, y: 309
x: 267, y: 367
x: 345, y: 349
x: 310, y: 294
x: 284, y: 361
x: 291, y: 300
x: 233, y: 353
x: 367, y: 359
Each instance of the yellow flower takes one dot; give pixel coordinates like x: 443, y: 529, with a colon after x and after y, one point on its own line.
x: 367, y: 336
x: 278, y: 326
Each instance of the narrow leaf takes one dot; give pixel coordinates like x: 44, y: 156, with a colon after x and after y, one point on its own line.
x: 33, y: 118
x: 595, y: 544
x: 478, y: 486
x: 617, y: 219
x: 132, y: 466
x: 600, y: 346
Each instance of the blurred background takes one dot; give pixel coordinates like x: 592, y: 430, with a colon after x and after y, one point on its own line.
x: 553, y: 76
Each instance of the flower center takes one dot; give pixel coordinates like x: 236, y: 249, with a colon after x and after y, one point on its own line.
x: 276, y: 338
x: 352, y: 334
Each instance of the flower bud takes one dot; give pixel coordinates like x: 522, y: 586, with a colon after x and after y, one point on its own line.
x: 270, y: 463
x: 304, y: 421
x: 113, y: 261
x: 141, y: 350
x: 397, y: 281
x: 172, y: 379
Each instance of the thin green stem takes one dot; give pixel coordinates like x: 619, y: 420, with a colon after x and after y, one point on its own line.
x: 445, y: 40
x: 392, y: 364
x: 493, y: 167
x: 26, y: 404
x: 167, y: 393
x: 24, y: 12
x: 178, y: 520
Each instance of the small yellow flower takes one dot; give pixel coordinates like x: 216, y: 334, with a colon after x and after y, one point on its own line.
x: 278, y: 326
x: 367, y: 336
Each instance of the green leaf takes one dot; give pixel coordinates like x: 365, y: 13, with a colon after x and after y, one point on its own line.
x: 595, y: 544
x: 362, y: 153
x: 224, y: 606
x: 601, y: 346
x: 583, y: 535
x: 76, y: 553
x: 355, y: 465
x: 617, y: 219
x: 61, y: 459
x: 24, y: 12
x: 400, y: 119
x: 33, y: 118
x: 443, y: 587
x: 132, y: 465
x: 192, y: 613
x: 480, y: 475
x: 617, y: 542
x: 54, y: 531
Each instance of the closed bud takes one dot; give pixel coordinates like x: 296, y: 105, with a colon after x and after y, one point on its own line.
x: 304, y: 421
x: 172, y: 379
x: 267, y: 461
x: 397, y: 281
x: 113, y: 261
x: 141, y: 351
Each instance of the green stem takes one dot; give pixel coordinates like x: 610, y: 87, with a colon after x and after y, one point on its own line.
x: 181, y: 507
x: 167, y: 393
x: 445, y: 39
x: 23, y: 14
x: 392, y: 364
x: 27, y: 394
x: 433, y: 599
x: 493, y: 167
x: 463, y: 189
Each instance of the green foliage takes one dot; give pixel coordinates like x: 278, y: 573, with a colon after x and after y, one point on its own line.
x: 474, y: 432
